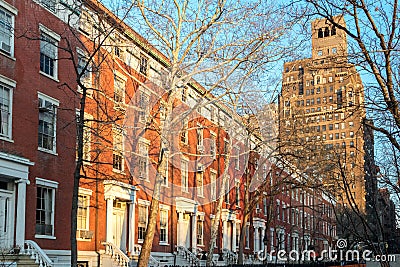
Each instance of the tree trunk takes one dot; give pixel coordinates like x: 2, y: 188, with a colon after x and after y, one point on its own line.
x: 152, y: 221
x: 215, y: 225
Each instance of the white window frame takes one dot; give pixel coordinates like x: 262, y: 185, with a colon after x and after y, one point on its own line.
x: 42, y: 3
x: 145, y: 204
x: 185, y: 175
x: 143, y: 155
x: 119, y: 80
x: 85, y: 193
x: 200, y: 183
x: 213, y: 145
x: 118, y: 149
x: 53, y: 37
x: 237, y: 157
x: 10, y: 85
x: 164, y: 208
x: 200, y: 234
x: 55, y: 104
x: 12, y: 12
x: 213, y: 188
x: 50, y: 185
x: 86, y: 78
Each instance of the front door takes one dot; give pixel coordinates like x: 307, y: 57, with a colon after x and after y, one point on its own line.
x: 120, y: 225
x: 6, y: 219
x: 184, y: 231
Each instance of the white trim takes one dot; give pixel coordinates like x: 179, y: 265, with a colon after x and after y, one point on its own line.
x: 9, y: 7
x: 164, y: 207
x: 85, y: 191
x: 49, y: 98
x: 46, y: 236
x: 143, y: 202
x: 49, y: 32
x: 7, y: 81
x: 46, y: 183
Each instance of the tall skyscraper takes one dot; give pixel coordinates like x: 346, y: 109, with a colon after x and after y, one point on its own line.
x: 321, y: 110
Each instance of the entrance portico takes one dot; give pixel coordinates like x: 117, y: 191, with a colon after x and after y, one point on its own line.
x: 14, y: 172
x: 120, y: 198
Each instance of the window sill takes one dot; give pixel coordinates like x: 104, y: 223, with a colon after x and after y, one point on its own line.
x: 140, y: 241
x: 45, y: 237
x: 83, y: 239
x: 8, y: 56
x: 4, y: 138
x: 49, y: 76
x: 164, y: 244
x: 48, y: 151
x: 119, y: 171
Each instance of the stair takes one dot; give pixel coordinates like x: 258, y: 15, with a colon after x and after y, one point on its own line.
x: 9, y: 260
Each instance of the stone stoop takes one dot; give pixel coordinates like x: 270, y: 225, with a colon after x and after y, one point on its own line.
x: 17, y: 260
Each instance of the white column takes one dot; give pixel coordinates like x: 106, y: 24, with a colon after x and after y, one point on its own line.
x: 233, y: 236
x: 194, y: 232
x: 110, y: 222
x: 225, y: 234
x: 131, y: 223
x: 262, y: 238
x: 179, y: 229
x: 256, y: 239
x: 21, y: 204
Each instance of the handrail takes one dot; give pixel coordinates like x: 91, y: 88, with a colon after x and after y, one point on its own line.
x: 230, y: 256
x: 37, y: 254
x: 152, y: 260
x: 117, y: 254
x: 188, y: 255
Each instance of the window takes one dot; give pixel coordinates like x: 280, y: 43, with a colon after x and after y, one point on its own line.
x: 184, y: 94
x: 118, y: 149
x: 87, y: 136
x: 83, y: 212
x: 49, y: 4
x: 47, y: 123
x: 48, y: 52
x: 143, y: 64
x: 199, y: 183
x: 143, y: 160
x: 334, y: 49
x: 200, y: 230
x: 119, y: 91
x: 199, y: 133
x: 320, y: 53
x: 351, y: 134
x: 227, y: 189
x: 7, y: 13
x: 213, y: 145
x: 184, y: 132
x: 184, y: 175
x: 85, y: 71
x: 5, y: 111
x: 213, y: 178
x: 163, y: 226
x: 142, y: 221
x: 237, y: 193
x: 45, y: 198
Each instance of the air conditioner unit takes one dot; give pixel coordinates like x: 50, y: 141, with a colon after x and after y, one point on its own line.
x: 84, y: 234
x: 5, y: 47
